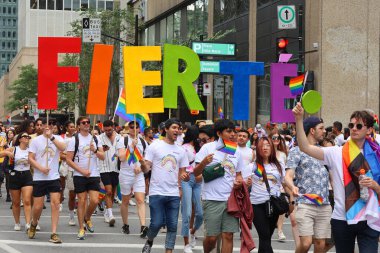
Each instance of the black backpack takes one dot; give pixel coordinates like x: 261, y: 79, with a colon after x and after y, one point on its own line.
x: 126, y: 145
x: 76, y: 136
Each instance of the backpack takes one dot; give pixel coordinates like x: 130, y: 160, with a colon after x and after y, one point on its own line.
x: 126, y: 145
x: 76, y: 136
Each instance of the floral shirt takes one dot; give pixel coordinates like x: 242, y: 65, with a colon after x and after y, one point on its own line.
x: 310, y: 175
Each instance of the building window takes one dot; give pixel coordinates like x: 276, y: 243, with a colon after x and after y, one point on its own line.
x: 9, y: 34
x: 177, y: 25
x: 75, y: 5
x: 50, y: 4
x: 4, y: 34
x: 84, y: 5
x: 67, y: 5
x: 101, y: 5
x: 14, y: 10
x: 3, y: 56
x: 109, y: 5
x: 92, y: 4
x: 14, y: 34
x: 14, y: 45
x: 42, y: 4
x: 169, y: 28
x: 163, y: 31
x: 151, y: 35
x: 59, y: 5
x: 14, y: 22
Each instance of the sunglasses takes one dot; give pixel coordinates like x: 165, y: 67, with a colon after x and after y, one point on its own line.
x: 26, y: 136
x: 275, y: 137
x: 85, y: 122
x: 358, y: 126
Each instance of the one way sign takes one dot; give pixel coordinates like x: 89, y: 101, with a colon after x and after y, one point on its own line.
x: 91, y: 30
x: 286, y: 17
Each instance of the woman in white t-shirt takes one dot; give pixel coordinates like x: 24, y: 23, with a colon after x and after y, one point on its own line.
x: 265, y: 160
x: 191, y: 191
x: 20, y: 178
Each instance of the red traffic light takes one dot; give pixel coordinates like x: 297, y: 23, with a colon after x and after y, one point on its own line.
x: 282, y: 43
x: 26, y: 107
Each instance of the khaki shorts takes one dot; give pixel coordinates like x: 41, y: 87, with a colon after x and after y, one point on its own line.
x: 216, y: 218
x: 314, y: 220
x: 70, y: 180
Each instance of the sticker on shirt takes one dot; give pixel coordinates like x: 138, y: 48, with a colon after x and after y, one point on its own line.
x: 169, y: 163
x: 271, y: 178
x: 229, y: 167
x: 22, y: 161
x: 49, y: 152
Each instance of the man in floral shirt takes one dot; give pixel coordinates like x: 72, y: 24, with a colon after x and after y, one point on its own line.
x: 310, y: 177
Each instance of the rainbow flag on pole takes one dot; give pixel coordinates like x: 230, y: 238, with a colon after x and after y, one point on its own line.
x: 296, y: 85
x: 259, y: 170
x: 142, y: 119
x: 133, y: 157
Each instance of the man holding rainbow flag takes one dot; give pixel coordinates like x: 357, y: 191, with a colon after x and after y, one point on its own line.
x: 352, y: 218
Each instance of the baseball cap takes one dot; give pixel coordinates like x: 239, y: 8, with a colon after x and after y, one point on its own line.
x: 258, y: 126
x: 311, y: 122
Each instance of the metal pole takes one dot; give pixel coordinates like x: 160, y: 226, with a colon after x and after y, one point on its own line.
x: 300, y: 40
x: 136, y: 30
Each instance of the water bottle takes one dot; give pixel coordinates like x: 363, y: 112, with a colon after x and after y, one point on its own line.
x: 364, y: 195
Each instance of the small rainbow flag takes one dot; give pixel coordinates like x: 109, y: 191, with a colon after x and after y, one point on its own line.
x: 133, y: 157
x: 315, y: 198
x: 220, y: 113
x: 142, y: 119
x: 259, y: 170
x: 296, y: 85
x: 229, y: 147
x: 129, y: 157
x: 102, y: 194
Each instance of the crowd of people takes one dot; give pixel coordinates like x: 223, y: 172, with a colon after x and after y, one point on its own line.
x: 223, y: 177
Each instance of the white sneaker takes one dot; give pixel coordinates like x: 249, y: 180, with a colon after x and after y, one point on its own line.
x: 147, y: 199
x: 72, y: 222
x: 21, y: 203
x: 38, y: 228
x: 112, y: 221
x: 27, y: 226
x: 193, y: 240
x: 60, y: 207
x: 17, y: 227
x: 132, y: 203
x: 187, y: 249
x: 106, y: 218
x: 281, y: 236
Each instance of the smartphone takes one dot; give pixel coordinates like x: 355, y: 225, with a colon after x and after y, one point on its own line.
x: 105, y: 146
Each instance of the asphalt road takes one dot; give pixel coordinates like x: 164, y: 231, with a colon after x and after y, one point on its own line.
x: 105, y: 238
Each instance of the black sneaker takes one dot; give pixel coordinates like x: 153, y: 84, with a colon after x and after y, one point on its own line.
x: 147, y: 248
x: 125, y: 229
x: 144, y: 231
x: 8, y: 198
x: 101, y: 207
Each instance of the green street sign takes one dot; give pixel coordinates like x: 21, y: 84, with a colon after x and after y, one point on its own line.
x: 207, y: 48
x: 209, y: 67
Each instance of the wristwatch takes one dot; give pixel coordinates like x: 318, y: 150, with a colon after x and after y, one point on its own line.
x: 52, y: 138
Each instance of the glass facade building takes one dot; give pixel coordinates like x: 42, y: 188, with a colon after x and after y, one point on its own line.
x: 8, y: 33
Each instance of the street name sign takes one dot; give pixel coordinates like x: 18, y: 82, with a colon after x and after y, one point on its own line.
x: 207, y: 48
x: 210, y: 67
x: 286, y: 15
x: 91, y: 30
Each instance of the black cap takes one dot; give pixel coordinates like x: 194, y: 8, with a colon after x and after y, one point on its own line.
x: 311, y: 122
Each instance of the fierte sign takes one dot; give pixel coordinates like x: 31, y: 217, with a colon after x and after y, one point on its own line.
x: 207, y: 48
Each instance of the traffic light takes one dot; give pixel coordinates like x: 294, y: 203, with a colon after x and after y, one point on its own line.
x: 26, y: 107
x: 281, y: 44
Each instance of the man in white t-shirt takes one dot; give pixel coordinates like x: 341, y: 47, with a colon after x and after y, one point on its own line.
x: 352, y: 218
x: 215, y: 193
x: 109, y: 173
x: 44, y: 158
x: 337, y: 130
x: 82, y: 153
x: 131, y: 176
x: 168, y: 163
x: 247, y: 154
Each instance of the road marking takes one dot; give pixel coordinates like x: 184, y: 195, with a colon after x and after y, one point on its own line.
x: 8, y: 248
x: 108, y: 245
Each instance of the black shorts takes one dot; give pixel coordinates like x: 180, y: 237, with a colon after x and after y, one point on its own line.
x: 85, y: 184
x: 110, y: 178
x: 19, y: 179
x: 43, y: 187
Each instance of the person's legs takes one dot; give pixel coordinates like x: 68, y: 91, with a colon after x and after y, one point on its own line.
x: 140, y: 199
x: 262, y: 225
x: 227, y: 242
x: 305, y: 217
x: 93, y: 203
x: 82, y: 199
x: 38, y: 204
x: 367, y: 238
x: 322, y: 227
x: 186, y: 207
x: 296, y: 235
x: 124, y: 208
x: 213, y: 218
x: 55, y: 200
x: 27, y: 200
x: 172, y: 210
x: 344, y: 236
x: 16, y: 198
x: 280, y: 223
x: 62, y: 180
x: 157, y: 207
x: 197, y: 205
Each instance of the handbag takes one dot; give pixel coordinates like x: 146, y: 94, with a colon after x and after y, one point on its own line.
x: 280, y: 205
x: 214, y: 171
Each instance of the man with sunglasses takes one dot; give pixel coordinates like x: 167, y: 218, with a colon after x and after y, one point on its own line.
x: 82, y: 153
x: 352, y: 218
x: 311, y: 177
x: 109, y: 173
x: 44, y: 153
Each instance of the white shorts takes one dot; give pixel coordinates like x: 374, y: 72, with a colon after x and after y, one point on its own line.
x: 63, y: 170
x: 127, y: 183
x: 70, y: 180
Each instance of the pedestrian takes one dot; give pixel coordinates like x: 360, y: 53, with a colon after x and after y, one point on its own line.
x: 82, y: 153
x: 168, y: 163
x: 248, y: 154
x: 353, y: 218
x: 20, y: 180
x: 311, y: 177
x: 109, y: 172
x: 44, y: 159
x: 337, y: 131
x: 131, y: 176
x: 191, y: 192
x: 215, y: 193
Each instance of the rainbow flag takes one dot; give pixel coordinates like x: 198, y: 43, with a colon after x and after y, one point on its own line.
x: 102, y: 194
x: 259, y: 170
x: 296, y: 85
x: 128, y: 157
x: 229, y: 147
x: 220, y: 113
x: 315, y: 198
x: 142, y: 119
x: 137, y: 155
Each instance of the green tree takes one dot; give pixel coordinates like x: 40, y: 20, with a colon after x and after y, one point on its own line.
x: 23, y: 88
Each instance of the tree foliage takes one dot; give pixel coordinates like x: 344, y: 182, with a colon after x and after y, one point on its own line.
x: 23, y: 88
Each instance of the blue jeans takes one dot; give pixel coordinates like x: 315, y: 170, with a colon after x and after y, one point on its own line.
x: 164, y: 211
x: 344, y: 237
x: 191, y: 193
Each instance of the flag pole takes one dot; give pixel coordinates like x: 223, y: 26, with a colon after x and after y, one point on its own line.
x: 47, y: 140
x: 117, y: 105
x: 134, y: 119
x: 170, y: 112
x: 92, y: 140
